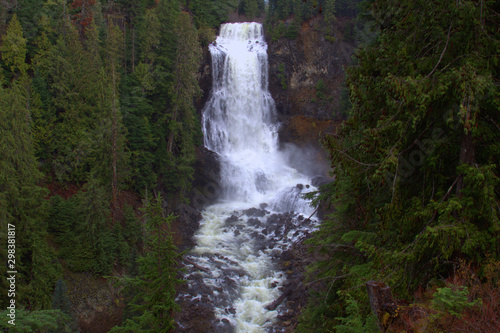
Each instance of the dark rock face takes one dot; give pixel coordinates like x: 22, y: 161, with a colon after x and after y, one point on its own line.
x: 296, y: 67
x: 294, y: 263
x: 206, y: 189
x: 306, y: 110
x: 204, y: 77
x: 319, y: 181
x: 185, y: 226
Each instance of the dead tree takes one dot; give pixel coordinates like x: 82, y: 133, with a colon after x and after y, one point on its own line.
x: 382, y: 303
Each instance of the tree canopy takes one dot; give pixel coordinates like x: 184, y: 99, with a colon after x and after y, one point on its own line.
x: 417, y: 161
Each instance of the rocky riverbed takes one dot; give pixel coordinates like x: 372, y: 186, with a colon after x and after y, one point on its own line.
x: 196, y: 298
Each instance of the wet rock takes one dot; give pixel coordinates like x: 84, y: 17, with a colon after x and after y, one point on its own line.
x: 195, y: 318
x: 230, y: 310
x: 254, y: 222
x: 233, y: 218
x: 319, y: 181
x: 257, y: 236
x: 254, y: 212
x: 206, y: 189
x: 185, y: 226
x: 293, y: 262
x: 263, y: 206
x: 274, y: 219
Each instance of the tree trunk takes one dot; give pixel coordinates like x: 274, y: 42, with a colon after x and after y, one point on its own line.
x: 288, y: 290
x: 114, y: 143
x: 467, y: 156
x: 382, y: 303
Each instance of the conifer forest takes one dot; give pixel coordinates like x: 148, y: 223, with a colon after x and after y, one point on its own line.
x: 167, y: 166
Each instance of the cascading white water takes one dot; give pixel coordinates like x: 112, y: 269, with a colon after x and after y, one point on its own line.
x: 235, y: 244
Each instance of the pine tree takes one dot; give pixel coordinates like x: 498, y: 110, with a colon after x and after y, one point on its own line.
x: 249, y: 8
x: 137, y: 118
x: 113, y: 121
x: 75, y: 88
x: 210, y: 13
x: 156, y: 283
x: 60, y: 301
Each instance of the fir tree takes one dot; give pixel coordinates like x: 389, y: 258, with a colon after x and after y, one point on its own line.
x: 13, y: 48
x: 416, y: 163
x: 156, y: 283
x: 22, y: 199
x: 182, y: 121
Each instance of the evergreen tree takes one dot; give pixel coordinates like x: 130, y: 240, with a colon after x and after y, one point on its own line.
x: 75, y: 88
x: 22, y: 200
x: 36, y: 321
x: 416, y: 164
x: 249, y: 8
x: 60, y: 299
x: 210, y: 13
x: 183, y: 125
x: 114, y: 144
x: 156, y: 283
x: 137, y: 118
x: 13, y: 48
x: 94, y: 229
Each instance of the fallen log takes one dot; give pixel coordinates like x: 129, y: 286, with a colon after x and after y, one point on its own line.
x: 201, y: 268
x: 288, y: 290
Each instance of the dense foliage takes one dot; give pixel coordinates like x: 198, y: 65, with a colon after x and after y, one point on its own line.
x: 417, y: 162
x: 284, y: 17
x: 96, y: 109
x: 155, y: 285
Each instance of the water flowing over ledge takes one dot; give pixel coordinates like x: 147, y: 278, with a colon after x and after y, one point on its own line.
x: 232, y: 267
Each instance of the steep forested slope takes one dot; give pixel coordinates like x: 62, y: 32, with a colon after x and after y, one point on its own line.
x: 416, y: 195
x: 97, y: 116
x: 97, y: 112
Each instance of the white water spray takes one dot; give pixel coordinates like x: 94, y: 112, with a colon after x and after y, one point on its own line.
x: 235, y: 244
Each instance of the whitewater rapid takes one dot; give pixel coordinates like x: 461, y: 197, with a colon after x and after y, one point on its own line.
x: 233, y: 265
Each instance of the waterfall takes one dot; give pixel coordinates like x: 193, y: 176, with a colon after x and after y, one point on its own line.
x: 261, y: 212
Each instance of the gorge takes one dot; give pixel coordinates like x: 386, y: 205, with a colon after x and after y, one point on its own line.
x: 232, y: 267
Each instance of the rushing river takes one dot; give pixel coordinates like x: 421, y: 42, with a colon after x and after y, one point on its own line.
x: 233, y: 264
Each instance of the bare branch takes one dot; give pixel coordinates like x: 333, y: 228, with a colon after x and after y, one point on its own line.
x: 442, y: 53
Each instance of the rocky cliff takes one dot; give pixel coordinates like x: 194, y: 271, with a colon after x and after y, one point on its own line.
x: 297, y: 68
x: 306, y: 79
